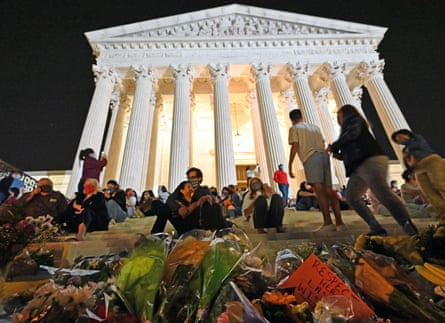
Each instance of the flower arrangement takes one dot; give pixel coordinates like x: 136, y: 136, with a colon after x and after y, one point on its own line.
x: 16, y: 233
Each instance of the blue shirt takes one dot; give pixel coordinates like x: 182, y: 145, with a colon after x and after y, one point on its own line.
x: 418, y: 147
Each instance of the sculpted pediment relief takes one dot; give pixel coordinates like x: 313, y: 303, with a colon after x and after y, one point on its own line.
x: 234, y: 22
x: 236, y: 25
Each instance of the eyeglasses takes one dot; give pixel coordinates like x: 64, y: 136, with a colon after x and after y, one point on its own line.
x: 192, y: 177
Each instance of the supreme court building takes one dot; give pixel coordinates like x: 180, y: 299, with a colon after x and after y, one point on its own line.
x: 213, y: 89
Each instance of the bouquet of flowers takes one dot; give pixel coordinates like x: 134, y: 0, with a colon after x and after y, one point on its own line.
x: 17, y: 232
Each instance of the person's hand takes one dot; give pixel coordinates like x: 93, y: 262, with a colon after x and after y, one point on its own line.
x: 103, y: 155
x: 329, y: 148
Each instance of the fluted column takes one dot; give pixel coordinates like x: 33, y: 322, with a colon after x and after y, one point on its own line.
x: 289, y: 103
x: 133, y: 161
x: 258, y: 138
x: 148, y: 148
x: 340, y: 89
x: 152, y: 177
x: 94, y: 127
x: 114, y: 108
x: 224, y: 153
x: 273, y: 143
x: 116, y: 152
x: 303, y: 93
x: 321, y: 98
x: 384, y: 102
x: 180, y: 141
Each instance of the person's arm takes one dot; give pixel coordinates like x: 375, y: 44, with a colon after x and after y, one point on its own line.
x: 294, y: 149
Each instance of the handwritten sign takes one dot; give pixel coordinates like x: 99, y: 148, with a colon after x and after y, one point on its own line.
x: 313, y: 280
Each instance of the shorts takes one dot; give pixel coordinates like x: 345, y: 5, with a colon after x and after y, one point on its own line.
x: 317, y: 169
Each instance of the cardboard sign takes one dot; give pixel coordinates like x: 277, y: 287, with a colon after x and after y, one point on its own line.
x: 313, y: 280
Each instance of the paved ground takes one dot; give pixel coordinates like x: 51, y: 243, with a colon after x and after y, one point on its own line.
x: 300, y: 225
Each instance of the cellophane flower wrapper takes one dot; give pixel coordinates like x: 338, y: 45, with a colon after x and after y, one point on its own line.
x: 56, y: 303
x: 286, y: 262
x: 141, y: 275
x: 217, y: 265
x: 232, y: 306
x: 384, y: 285
x: 178, y: 300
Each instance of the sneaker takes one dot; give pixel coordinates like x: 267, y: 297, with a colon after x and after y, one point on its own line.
x: 326, y: 228
x: 341, y: 227
x: 378, y: 232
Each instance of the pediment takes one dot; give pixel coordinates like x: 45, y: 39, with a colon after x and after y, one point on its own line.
x: 233, y: 21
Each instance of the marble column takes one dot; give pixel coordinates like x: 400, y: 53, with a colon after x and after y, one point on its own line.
x: 180, y: 140
x: 289, y: 103
x: 114, y: 108
x: 269, y: 123
x: 384, y: 102
x: 116, y: 152
x: 133, y: 161
x: 321, y: 98
x: 152, y: 176
x: 258, y: 138
x: 148, y: 148
x: 94, y: 127
x: 303, y: 93
x: 224, y: 152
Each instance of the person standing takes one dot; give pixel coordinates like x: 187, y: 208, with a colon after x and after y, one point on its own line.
x: 307, y: 141
x: 367, y: 167
x: 280, y: 177
x: 92, y: 167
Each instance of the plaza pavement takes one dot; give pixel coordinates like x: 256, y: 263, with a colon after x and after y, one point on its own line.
x: 300, y: 226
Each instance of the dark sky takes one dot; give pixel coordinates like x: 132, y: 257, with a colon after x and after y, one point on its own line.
x: 46, y: 82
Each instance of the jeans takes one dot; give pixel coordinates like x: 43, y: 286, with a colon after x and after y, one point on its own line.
x: 372, y: 174
x: 284, y: 189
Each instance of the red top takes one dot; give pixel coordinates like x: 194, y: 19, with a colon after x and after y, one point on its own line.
x: 92, y: 167
x: 280, y: 177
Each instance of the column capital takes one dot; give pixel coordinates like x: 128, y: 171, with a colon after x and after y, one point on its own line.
x: 371, y: 69
x: 297, y: 70
x: 287, y: 97
x: 357, y: 93
x: 104, y: 72
x: 260, y: 70
x: 334, y: 69
x: 321, y: 96
x: 142, y: 72
x: 181, y: 71
x: 218, y: 70
x: 114, y: 100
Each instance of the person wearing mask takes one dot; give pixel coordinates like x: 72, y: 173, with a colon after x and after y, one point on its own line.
x: 92, y: 210
x: 116, y: 202
x: 42, y: 200
x: 92, y: 167
x: 264, y: 205
x: 280, y: 177
x: 367, y: 167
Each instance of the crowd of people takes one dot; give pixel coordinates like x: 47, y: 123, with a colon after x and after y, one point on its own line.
x: 193, y: 205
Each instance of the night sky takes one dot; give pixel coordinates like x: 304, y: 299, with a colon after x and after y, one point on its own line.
x: 46, y: 81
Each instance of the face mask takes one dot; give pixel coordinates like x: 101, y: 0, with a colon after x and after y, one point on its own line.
x: 45, y: 188
x: 195, y: 184
x: 88, y: 188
